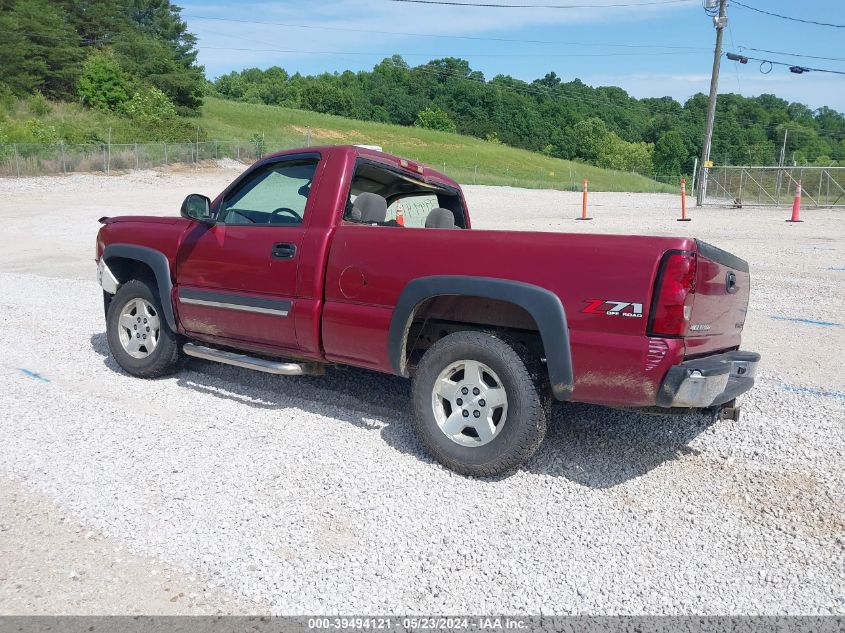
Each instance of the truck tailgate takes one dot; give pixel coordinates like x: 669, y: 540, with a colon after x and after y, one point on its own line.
x: 720, y: 301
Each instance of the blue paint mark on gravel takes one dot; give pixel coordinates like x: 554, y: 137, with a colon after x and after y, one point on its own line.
x: 809, y: 321
x: 33, y: 374
x: 839, y: 270
x: 815, y: 391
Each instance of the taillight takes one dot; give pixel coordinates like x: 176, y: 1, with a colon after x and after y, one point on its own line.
x: 673, y: 295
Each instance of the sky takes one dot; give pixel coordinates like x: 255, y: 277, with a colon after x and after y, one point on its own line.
x: 652, y: 49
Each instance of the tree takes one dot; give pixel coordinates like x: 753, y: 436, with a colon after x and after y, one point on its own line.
x: 589, y: 137
x: 434, y: 120
x: 151, y: 107
x: 40, y: 50
x: 103, y: 84
x: 324, y: 96
x: 670, y: 154
x: 571, y: 119
x: 158, y: 63
x: 617, y: 153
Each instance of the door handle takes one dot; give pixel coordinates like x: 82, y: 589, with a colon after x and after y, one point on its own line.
x: 284, y: 251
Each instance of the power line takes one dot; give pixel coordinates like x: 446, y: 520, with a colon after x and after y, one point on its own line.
x: 441, y: 55
x: 736, y: 64
x: 439, y: 35
x: 763, y: 50
x: 787, y: 17
x: 739, y: 88
x: 489, y: 5
x: 796, y: 68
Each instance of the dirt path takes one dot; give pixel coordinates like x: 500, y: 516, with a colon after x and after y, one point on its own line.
x: 53, y: 564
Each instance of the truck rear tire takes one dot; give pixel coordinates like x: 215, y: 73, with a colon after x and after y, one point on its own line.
x: 477, y: 408
x: 137, y: 332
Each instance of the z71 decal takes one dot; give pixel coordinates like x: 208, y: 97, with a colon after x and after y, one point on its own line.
x: 614, y: 308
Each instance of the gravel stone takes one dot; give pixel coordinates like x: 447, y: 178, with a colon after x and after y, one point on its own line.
x: 313, y: 494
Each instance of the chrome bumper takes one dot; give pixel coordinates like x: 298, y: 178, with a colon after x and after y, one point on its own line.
x: 709, y: 381
x: 106, y: 278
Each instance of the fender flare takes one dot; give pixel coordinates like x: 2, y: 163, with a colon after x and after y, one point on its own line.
x: 160, y: 266
x: 544, y: 307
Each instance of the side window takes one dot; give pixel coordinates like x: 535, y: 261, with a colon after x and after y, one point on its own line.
x: 413, y: 209
x: 275, y: 194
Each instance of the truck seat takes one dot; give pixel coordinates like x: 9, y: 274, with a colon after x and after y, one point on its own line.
x: 440, y: 218
x: 369, y: 208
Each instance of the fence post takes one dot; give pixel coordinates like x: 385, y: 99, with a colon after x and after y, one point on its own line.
x: 475, y: 175
x: 17, y: 159
x: 62, y: 149
x: 105, y: 166
x: 695, y: 177
x: 238, y: 145
x: 108, y: 161
x: 165, y: 153
x: 137, y: 161
x: 827, y: 195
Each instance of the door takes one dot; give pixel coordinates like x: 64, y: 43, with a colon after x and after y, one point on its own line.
x: 237, y: 278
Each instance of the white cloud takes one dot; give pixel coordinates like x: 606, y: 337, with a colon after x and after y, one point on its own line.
x: 393, y: 19
x: 813, y: 90
x: 445, y: 20
x: 365, y: 48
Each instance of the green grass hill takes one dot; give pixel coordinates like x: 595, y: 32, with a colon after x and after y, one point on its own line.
x: 38, y: 126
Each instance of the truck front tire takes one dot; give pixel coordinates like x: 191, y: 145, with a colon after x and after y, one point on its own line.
x: 477, y: 408
x: 137, y: 332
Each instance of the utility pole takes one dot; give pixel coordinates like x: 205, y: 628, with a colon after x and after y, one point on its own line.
x: 719, y: 22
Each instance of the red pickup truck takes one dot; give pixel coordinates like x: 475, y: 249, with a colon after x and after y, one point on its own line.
x: 347, y: 255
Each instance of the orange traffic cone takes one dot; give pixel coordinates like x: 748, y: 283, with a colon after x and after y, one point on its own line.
x: 400, y: 215
x: 584, y: 204
x: 684, y: 217
x: 796, y: 205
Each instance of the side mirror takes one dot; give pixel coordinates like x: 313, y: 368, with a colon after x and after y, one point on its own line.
x: 197, y: 207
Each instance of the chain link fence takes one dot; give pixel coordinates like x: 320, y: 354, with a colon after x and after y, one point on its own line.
x: 42, y: 159
x: 821, y: 187
x: 571, y: 180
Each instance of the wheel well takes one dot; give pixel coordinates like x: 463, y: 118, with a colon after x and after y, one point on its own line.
x: 125, y: 269
x: 437, y: 317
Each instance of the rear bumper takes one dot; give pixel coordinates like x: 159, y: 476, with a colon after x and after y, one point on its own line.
x: 709, y: 381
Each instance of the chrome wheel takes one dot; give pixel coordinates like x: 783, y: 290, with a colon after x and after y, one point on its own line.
x: 469, y: 402
x: 139, y: 328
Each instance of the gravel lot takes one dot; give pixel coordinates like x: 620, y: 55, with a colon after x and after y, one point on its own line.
x: 302, y: 495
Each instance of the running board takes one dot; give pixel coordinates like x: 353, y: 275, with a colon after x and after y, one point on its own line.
x: 251, y: 362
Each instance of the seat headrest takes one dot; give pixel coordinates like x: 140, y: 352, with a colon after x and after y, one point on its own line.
x: 369, y: 207
x: 440, y: 218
